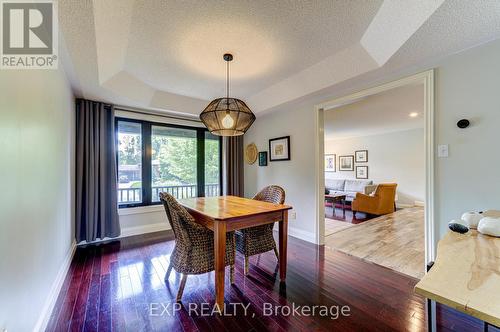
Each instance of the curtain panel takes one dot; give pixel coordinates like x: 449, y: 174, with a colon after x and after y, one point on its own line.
x: 96, y: 176
x: 232, y: 166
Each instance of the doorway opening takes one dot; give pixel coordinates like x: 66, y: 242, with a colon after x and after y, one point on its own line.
x: 375, y: 197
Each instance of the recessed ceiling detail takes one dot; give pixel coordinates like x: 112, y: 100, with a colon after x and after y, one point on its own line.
x: 165, y: 55
x: 395, y: 22
x: 112, y: 21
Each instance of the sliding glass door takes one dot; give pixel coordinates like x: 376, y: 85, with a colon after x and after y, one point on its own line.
x: 153, y: 158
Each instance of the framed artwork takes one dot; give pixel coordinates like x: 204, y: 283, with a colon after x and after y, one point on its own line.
x: 263, y: 158
x: 330, y: 163
x: 361, y: 172
x: 346, y: 163
x: 279, y: 148
x: 361, y: 156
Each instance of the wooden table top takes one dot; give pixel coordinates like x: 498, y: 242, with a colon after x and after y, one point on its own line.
x: 466, y: 274
x: 229, y: 207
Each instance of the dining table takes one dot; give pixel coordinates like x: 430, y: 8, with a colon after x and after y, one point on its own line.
x: 224, y: 214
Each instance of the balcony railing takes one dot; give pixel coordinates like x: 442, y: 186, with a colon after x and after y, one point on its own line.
x: 134, y: 195
x: 129, y: 195
x: 212, y: 189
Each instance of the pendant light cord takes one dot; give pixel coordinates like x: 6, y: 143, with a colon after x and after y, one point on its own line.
x: 227, y: 79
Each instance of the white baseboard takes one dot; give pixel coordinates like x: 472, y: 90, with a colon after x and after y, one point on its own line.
x: 50, y: 302
x: 403, y: 205
x: 301, y: 234
x: 144, y: 229
x: 298, y: 233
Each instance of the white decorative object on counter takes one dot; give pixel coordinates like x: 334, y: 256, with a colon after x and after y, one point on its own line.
x: 489, y: 226
x: 471, y: 219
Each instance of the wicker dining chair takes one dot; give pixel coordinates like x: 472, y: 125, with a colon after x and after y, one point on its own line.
x: 257, y: 240
x: 194, y: 244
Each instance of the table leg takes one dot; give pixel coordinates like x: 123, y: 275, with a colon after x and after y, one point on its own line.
x: 327, y: 201
x: 431, y: 309
x: 219, y: 261
x: 431, y: 316
x: 283, y: 238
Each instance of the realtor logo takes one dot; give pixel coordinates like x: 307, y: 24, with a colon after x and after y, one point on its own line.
x: 29, y: 35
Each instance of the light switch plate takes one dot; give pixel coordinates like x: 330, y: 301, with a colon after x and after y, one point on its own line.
x: 443, y: 151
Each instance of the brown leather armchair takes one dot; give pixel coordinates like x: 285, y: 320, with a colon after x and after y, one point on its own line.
x: 383, y: 202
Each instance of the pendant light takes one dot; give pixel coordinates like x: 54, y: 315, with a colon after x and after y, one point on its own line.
x: 227, y: 116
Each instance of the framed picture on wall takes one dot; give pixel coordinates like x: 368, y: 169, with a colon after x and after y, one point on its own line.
x: 361, y: 156
x: 346, y: 163
x: 263, y: 158
x: 279, y: 148
x: 361, y: 172
x: 330, y: 163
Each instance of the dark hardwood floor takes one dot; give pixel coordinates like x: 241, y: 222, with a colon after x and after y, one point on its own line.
x: 116, y: 287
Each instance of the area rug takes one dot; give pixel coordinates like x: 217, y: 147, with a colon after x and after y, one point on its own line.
x: 333, y: 226
x: 395, y: 241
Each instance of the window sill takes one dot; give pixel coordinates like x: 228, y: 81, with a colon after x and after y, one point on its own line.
x: 140, y: 210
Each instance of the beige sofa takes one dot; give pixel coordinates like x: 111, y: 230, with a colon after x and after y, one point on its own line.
x: 349, y: 187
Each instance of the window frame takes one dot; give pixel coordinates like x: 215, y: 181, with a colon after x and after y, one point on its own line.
x: 146, y: 153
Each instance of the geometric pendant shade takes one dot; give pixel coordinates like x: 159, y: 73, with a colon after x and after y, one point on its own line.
x: 227, y: 116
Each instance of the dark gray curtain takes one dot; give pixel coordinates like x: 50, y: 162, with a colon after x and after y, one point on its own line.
x: 232, y: 166
x: 96, y: 185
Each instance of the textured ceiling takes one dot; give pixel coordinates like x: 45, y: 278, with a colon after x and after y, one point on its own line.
x: 167, y: 55
x: 381, y: 113
x: 270, y: 40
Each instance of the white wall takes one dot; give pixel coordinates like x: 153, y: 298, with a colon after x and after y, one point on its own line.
x: 296, y: 176
x: 392, y: 157
x: 467, y: 85
x: 142, y: 220
x: 36, y: 201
